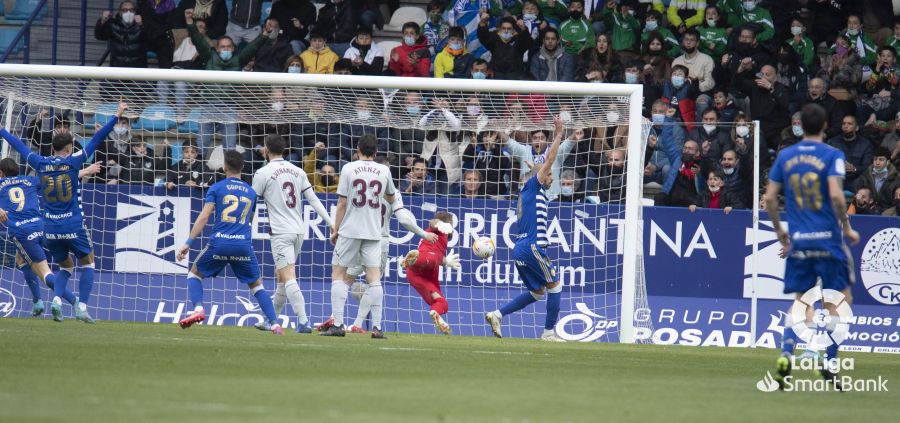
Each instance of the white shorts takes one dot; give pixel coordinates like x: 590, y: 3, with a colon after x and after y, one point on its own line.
x: 285, y: 249
x: 358, y: 269
x: 350, y: 251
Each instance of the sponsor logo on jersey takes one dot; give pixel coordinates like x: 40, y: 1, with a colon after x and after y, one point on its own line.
x: 147, y: 244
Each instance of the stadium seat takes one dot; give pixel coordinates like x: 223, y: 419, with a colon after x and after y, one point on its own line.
x: 191, y: 125
x: 386, y: 46
x: 176, y: 152
x: 102, y: 114
x: 266, y: 11
x: 403, y: 15
x: 158, y: 117
x: 6, y: 37
x: 23, y: 9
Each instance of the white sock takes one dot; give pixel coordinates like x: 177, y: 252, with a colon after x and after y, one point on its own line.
x: 339, y: 291
x: 57, y: 301
x: 365, y: 305
x: 375, y: 294
x: 547, y: 332
x: 82, y: 306
x: 298, y: 303
x: 497, y: 314
x: 279, y: 298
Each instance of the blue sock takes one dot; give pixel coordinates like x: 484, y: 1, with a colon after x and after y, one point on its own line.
x: 523, y: 300
x: 50, y: 281
x: 32, y: 281
x: 265, y: 303
x: 553, y: 300
x: 788, y: 341
x: 61, y: 279
x: 86, y: 283
x: 195, y: 289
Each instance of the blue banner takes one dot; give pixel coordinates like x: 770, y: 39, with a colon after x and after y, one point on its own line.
x: 698, y: 270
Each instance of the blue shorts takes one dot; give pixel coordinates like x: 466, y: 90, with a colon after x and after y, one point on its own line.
x: 803, y: 268
x: 241, y: 257
x: 64, y: 241
x: 535, y: 268
x: 30, y: 245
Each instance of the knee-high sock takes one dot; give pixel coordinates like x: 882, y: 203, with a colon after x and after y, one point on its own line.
x: 440, y: 305
x: 265, y: 303
x: 61, y: 281
x: 831, y: 352
x: 339, y: 291
x: 279, y: 298
x: 523, y: 300
x: 376, y: 298
x: 195, y: 289
x: 298, y: 303
x: 553, y: 300
x: 50, y: 281
x: 32, y: 280
x: 788, y: 341
x: 86, y: 283
x: 365, y: 306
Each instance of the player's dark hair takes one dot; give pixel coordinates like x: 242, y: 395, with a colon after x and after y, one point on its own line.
x: 62, y: 140
x: 418, y: 160
x: 234, y: 162
x: 275, y: 144
x: 367, y: 145
x: 813, y: 119
x: 190, y: 145
x: 9, y: 167
x: 577, y: 1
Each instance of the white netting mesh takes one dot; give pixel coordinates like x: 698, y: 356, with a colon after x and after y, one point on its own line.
x: 137, y: 223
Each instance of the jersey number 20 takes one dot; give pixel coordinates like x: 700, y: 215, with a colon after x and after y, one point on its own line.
x: 58, y: 189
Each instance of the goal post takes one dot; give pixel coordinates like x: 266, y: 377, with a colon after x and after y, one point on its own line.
x: 172, y: 107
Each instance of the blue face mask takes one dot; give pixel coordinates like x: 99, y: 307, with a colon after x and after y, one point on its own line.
x: 677, y: 81
x: 658, y: 118
x: 506, y: 35
x: 409, y: 40
x: 797, y: 130
x: 568, y: 191
x: 294, y: 69
x: 631, y: 78
x: 529, y: 16
x: 651, y: 25
x: 225, y: 55
x: 456, y: 46
x: 479, y: 75
x: 413, y: 110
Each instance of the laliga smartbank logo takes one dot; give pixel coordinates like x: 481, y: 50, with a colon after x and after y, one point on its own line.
x: 829, y: 326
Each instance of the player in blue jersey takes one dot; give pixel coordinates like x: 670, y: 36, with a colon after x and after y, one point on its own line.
x: 812, y: 174
x: 232, y: 202
x: 535, y: 268
x: 20, y: 210
x: 63, y: 219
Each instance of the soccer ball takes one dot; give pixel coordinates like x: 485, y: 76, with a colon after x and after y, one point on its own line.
x: 483, y: 247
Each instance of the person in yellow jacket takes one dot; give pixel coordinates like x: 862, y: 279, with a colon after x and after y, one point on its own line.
x: 454, y: 61
x: 325, y: 179
x: 318, y: 58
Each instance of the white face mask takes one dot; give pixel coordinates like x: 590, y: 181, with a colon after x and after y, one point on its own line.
x: 294, y: 69
x: 709, y: 128
x: 853, y: 32
x: 473, y: 110
x: 612, y: 117
x: 728, y: 170
x: 277, y: 106
x: 363, y: 114
x: 796, y: 30
x: 714, y: 189
x: 710, y: 22
x: 128, y: 17
x: 742, y: 131
x: 566, y: 116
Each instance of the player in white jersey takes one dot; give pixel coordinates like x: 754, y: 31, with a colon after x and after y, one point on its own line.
x: 406, y: 218
x: 364, y: 186
x: 280, y: 184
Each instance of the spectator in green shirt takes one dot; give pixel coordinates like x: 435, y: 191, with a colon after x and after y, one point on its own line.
x: 713, y: 34
x: 751, y: 13
x: 895, y: 40
x: 802, y: 44
x: 861, y: 43
x: 555, y: 11
x: 577, y: 33
x: 624, y: 30
x: 652, y: 24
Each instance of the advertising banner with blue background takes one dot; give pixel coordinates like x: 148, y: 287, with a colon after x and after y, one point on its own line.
x: 698, y: 271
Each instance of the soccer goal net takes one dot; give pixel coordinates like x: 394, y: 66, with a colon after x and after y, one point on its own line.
x: 462, y: 146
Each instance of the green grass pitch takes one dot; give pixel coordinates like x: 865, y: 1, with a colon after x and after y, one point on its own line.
x: 131, y: 372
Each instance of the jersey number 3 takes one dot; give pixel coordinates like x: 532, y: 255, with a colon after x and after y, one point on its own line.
x: 361, y: 199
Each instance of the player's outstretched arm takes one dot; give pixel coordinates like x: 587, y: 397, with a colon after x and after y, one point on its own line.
x: 317, y: 205
x: 407, y: 220
x: 836, y: 192
x: 208, y: 210
x: 16, y: 143
x: 545, y: 169
x: 771, y: 199
x: 101, y: 135
x: 91, y: 170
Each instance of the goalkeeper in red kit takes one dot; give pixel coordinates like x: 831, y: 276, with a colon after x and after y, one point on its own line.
x: 422, y: 268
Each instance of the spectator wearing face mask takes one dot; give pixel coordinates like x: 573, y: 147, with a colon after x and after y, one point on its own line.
x: 653, y: 26
x: 114, y: 152
x: 487, y: 158
x: 881, y: 177
x: 864, y: 203
x: 857, y: 150
x: 481, y: 69
x: 679, y: 91
x: 454, y: 61
x: 860, y: 42
x: 507, y: 46
x: 713, y: 34
x: 127, y: 47
x: 570, y: 187
x: 323, y: 180
x: 365, y: 57
x: 802, y: 44
x: 715, y: 196
x: 318, y: 58
x: 139, y: 166
x: 750, y: 13
x: 411, y: 57
x: 577, y: 33
x: 792, y: 134
x: 274, y: 52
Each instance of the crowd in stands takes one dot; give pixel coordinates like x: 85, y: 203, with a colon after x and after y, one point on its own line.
x: 708, y: 69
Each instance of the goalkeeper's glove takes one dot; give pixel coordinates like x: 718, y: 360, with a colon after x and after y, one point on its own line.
x: 410, y: 259
x: 451, y: 260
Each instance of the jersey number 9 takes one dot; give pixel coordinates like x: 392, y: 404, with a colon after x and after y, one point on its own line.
x: 17, y: 195
x: 58, y: 189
